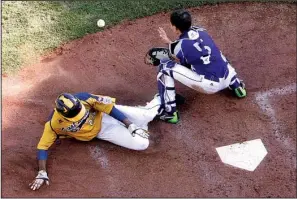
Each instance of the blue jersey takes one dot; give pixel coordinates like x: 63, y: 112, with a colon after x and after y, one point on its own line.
x: 196, y: 49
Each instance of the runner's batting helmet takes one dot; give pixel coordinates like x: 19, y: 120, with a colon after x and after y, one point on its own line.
x: 70, y: 107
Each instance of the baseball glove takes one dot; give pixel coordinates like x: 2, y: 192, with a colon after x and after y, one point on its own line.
x: 156, y: 54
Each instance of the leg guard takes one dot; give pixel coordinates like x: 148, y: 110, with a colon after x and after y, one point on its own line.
x: 167, y: 92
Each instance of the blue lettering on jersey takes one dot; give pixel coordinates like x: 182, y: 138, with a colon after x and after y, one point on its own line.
x: 76, y: 126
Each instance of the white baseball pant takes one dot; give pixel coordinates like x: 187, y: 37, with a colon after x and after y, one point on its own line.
x: 115, y: 131
x: 191, y: 79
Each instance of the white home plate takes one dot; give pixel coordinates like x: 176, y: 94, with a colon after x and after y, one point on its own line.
x: 247, y: 155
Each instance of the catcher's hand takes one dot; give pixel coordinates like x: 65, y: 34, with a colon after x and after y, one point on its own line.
x: 135, y: 130
x: 39, y: 180
x: 164, y: 36
x: 156, y: 54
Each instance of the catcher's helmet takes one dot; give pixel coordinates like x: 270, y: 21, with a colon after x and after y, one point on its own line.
x: 70, y: 107
x: 155, y: 55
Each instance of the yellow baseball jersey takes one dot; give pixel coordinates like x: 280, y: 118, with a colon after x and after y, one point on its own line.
x: 57, y: 125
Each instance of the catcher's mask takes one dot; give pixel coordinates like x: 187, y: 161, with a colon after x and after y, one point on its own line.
x: 155, y: 55
x: 70, y: 107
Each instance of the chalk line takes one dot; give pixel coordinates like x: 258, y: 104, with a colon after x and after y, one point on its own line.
x: 263, y: 100
x: 99, y: 156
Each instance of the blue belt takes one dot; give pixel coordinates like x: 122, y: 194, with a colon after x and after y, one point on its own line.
x: 214, y: 78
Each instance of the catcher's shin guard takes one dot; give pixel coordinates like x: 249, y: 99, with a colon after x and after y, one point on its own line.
x: 179, y: 99
x: 167, y: 93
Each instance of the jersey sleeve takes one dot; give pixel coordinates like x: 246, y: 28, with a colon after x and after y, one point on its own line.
x: 48, y: 137
x: 117, y: 114
x: 192, y: 53
x: 102, y: 103
x: 98, y: 102
x: 179, y: 52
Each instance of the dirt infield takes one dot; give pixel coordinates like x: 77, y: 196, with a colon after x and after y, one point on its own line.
x: 260, y: 41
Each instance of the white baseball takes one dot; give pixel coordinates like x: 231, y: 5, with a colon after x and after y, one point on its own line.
x: 100, y: 23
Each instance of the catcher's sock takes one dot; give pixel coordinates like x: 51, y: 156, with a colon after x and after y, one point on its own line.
x: 238, y: 87
x: 235, y: 83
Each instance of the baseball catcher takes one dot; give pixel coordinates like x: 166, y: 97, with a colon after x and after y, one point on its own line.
x: 85, y: 116
x: 194, y: 60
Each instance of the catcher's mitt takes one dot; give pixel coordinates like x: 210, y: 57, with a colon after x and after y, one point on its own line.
x: 156, y: 54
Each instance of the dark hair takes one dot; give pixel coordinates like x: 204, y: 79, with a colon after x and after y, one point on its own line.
x: 181, y: 19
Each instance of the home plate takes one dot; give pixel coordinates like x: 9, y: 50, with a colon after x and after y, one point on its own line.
x: 247, y: 155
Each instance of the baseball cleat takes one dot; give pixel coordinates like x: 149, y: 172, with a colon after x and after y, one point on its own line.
x: 240, y: 91
x: 169, y: 118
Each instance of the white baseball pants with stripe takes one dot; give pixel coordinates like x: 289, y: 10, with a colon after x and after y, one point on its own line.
x: 191, y: 79
x: 115, y: 131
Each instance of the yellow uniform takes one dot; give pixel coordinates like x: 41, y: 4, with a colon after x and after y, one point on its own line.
x: 84, y: 130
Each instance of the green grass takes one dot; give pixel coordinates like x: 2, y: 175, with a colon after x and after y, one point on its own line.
x: 32, y: 28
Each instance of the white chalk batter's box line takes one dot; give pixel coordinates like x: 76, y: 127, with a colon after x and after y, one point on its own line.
x: 262, y: 99
x: 99, y: 155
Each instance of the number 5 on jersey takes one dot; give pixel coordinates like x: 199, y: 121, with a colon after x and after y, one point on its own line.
x: 205, y: 58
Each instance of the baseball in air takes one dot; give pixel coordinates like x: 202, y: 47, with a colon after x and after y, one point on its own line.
x: 100, y: 23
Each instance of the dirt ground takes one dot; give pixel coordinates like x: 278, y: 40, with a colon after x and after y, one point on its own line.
x: 259, y: 40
